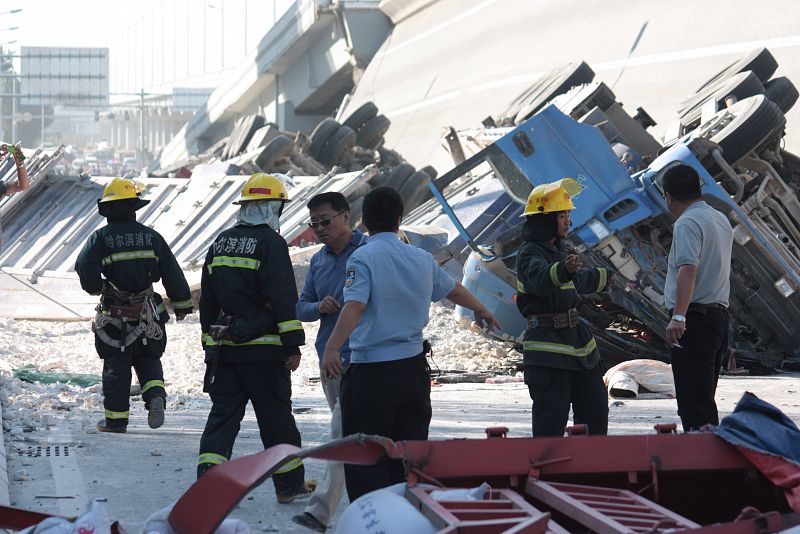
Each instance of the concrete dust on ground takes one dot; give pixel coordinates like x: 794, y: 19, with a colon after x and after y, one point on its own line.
x: 57, y: 461
x: 138, y: 473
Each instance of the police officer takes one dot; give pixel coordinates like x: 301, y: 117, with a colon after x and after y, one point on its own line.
x: 562, y: 363
x: 251, y: 334
x: 120, y: 262
x: 388, y: 290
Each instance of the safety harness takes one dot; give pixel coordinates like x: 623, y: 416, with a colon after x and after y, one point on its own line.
x: 134, y: 314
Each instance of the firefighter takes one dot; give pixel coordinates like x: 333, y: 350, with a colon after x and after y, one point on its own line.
x: 562, y: 363
x: 120, y: 262
x: 251, y: 334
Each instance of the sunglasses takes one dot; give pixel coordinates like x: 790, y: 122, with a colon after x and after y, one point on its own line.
x: 324, y: 222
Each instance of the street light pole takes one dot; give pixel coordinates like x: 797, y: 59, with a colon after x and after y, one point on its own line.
x: 141, y: 129
x: 13, y: 109
x: 204, y: 39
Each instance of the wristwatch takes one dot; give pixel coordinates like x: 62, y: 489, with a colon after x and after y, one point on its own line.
x: 679, y: 318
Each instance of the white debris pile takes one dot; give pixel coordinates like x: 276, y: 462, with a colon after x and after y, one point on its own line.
x: 459, y: 349
x: 68, y: 347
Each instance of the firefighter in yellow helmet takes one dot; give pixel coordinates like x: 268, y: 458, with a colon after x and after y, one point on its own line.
x: 562, y: 363
x: 120, y: 262
x: 251, y: 335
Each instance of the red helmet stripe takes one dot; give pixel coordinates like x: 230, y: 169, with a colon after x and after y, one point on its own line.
x: 259, y: 190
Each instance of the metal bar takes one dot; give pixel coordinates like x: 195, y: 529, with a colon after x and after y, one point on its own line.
x: 594, y: 454
x: 471, y: 515
x: 573, y: 508
x: 588, y: 493
x: 492, y: 504
x: 431, y: 509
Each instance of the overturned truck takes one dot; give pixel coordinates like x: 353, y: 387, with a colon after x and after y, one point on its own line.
x: 730, y: 133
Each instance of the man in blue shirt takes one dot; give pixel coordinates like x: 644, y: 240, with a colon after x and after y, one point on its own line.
x: 321, y: 300
x: 389, y: 286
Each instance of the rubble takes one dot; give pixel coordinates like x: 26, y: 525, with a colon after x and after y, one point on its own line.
x: 352, y: 145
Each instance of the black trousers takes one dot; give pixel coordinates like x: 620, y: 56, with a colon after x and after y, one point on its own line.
x: 553, y: 390
x: 391, y: 399
x: 268, y: 386
x: 696, y: 366
x: 117, y: 376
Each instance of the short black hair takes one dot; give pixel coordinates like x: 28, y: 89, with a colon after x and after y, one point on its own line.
x: 682, y: 183
x: 337, y: 201
x: 382, y: 210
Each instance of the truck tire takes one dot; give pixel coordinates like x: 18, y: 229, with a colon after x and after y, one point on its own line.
x: 783, y: 92
x: 359, y: 192
x: 242, y: 132
x: 507, y: 117
x: 741, y: 85
x: 553, y: 84
x: 371, y: 132
x: 760, y: 62
x: 277, y: 148
x: 413, y: 191
x: 748, y: 125
x: 324, y: 130
x: 360, y: 116
x: 337, y: 146
x: 399, y: 175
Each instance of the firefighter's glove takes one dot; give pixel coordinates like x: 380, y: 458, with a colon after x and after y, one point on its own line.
x: 573, y: 263
x: 292, y: 357
x: 216, y: 331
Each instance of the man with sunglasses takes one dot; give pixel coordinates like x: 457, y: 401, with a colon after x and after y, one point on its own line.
x: 388, y: 289
x: 321, y: 299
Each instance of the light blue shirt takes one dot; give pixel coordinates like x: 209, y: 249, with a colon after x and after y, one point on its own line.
x: 325, y: 277
x: 397, y: 282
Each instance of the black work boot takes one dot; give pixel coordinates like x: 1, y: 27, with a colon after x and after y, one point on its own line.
x: 155, y: 416
x: 307, y: 520
x: 203, y: 468
x: 115, y: 428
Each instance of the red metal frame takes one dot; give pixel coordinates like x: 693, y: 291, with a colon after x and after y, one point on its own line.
x: 599, y: 482
x: 628, y: 465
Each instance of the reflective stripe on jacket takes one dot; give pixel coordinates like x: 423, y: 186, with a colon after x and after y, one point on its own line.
x: 545, y: 287
x: 133, y: 257
x: 248, y: 276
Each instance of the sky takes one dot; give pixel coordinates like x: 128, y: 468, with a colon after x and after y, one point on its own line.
x: 150, y: 46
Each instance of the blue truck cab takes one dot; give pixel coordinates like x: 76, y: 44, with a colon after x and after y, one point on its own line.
x: 621, y: 222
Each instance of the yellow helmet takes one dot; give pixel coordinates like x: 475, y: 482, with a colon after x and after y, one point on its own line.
x: 555, y: 196
x: 263, y: 186
x: 121, y: 189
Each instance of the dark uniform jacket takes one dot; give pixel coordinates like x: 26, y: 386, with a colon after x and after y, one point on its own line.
x: 132, y: 256
x: 545, y: 287
x: 248, y: 277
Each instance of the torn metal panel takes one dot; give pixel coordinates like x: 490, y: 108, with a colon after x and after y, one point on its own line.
x: 54, y: 220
